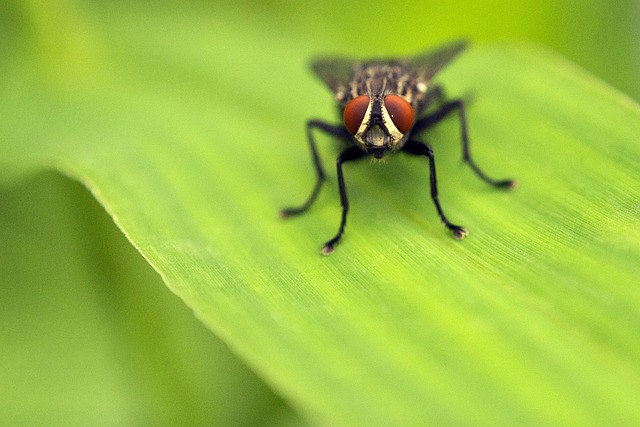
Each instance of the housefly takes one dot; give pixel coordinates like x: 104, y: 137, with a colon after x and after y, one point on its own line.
x: 385, y: 106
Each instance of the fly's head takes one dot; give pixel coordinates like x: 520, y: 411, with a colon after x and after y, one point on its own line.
x: 379, y: 123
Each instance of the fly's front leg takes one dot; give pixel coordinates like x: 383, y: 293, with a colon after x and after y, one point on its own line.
x: 420, y: 149
x: 335, y: 130
x: 351, y: 153
x: 442, y: 112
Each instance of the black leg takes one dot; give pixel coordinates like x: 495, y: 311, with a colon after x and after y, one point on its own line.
x: 351, y: 153
x: 337, y: 131
x: 420, y: 149
x: 444, y: 110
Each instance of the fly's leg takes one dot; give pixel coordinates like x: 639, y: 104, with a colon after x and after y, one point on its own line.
x: 420, y: 149
x: 335, y: 130
x: 442, y: 112
x: 351, y: 153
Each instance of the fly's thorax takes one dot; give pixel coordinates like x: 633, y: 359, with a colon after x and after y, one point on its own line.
x: 379, y: 123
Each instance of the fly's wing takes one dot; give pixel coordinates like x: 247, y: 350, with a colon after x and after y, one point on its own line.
x: 337, y: 74
x: 426, y: 65
x: 421, y: 70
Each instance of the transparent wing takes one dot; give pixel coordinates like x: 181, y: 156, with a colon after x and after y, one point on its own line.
x: 426, y: 65
x: 336, y: 73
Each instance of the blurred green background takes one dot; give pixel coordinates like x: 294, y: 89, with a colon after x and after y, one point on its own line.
x: 75, y: 328
x: 602, y: 36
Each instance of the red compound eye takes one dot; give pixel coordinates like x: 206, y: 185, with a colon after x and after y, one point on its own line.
x: 400, y: 111
x: 354, y: 113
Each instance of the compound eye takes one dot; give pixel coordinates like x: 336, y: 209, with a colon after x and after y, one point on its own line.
x: 354, y: 113
x: 400, y: 111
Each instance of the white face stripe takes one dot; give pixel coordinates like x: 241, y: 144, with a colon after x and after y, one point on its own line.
x: 396, y: 135
x: 365, y: 122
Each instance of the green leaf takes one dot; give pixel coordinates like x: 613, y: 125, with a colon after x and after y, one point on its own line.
x: 192, y: 149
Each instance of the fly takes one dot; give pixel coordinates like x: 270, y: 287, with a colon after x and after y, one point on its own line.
x: 384, y: 106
